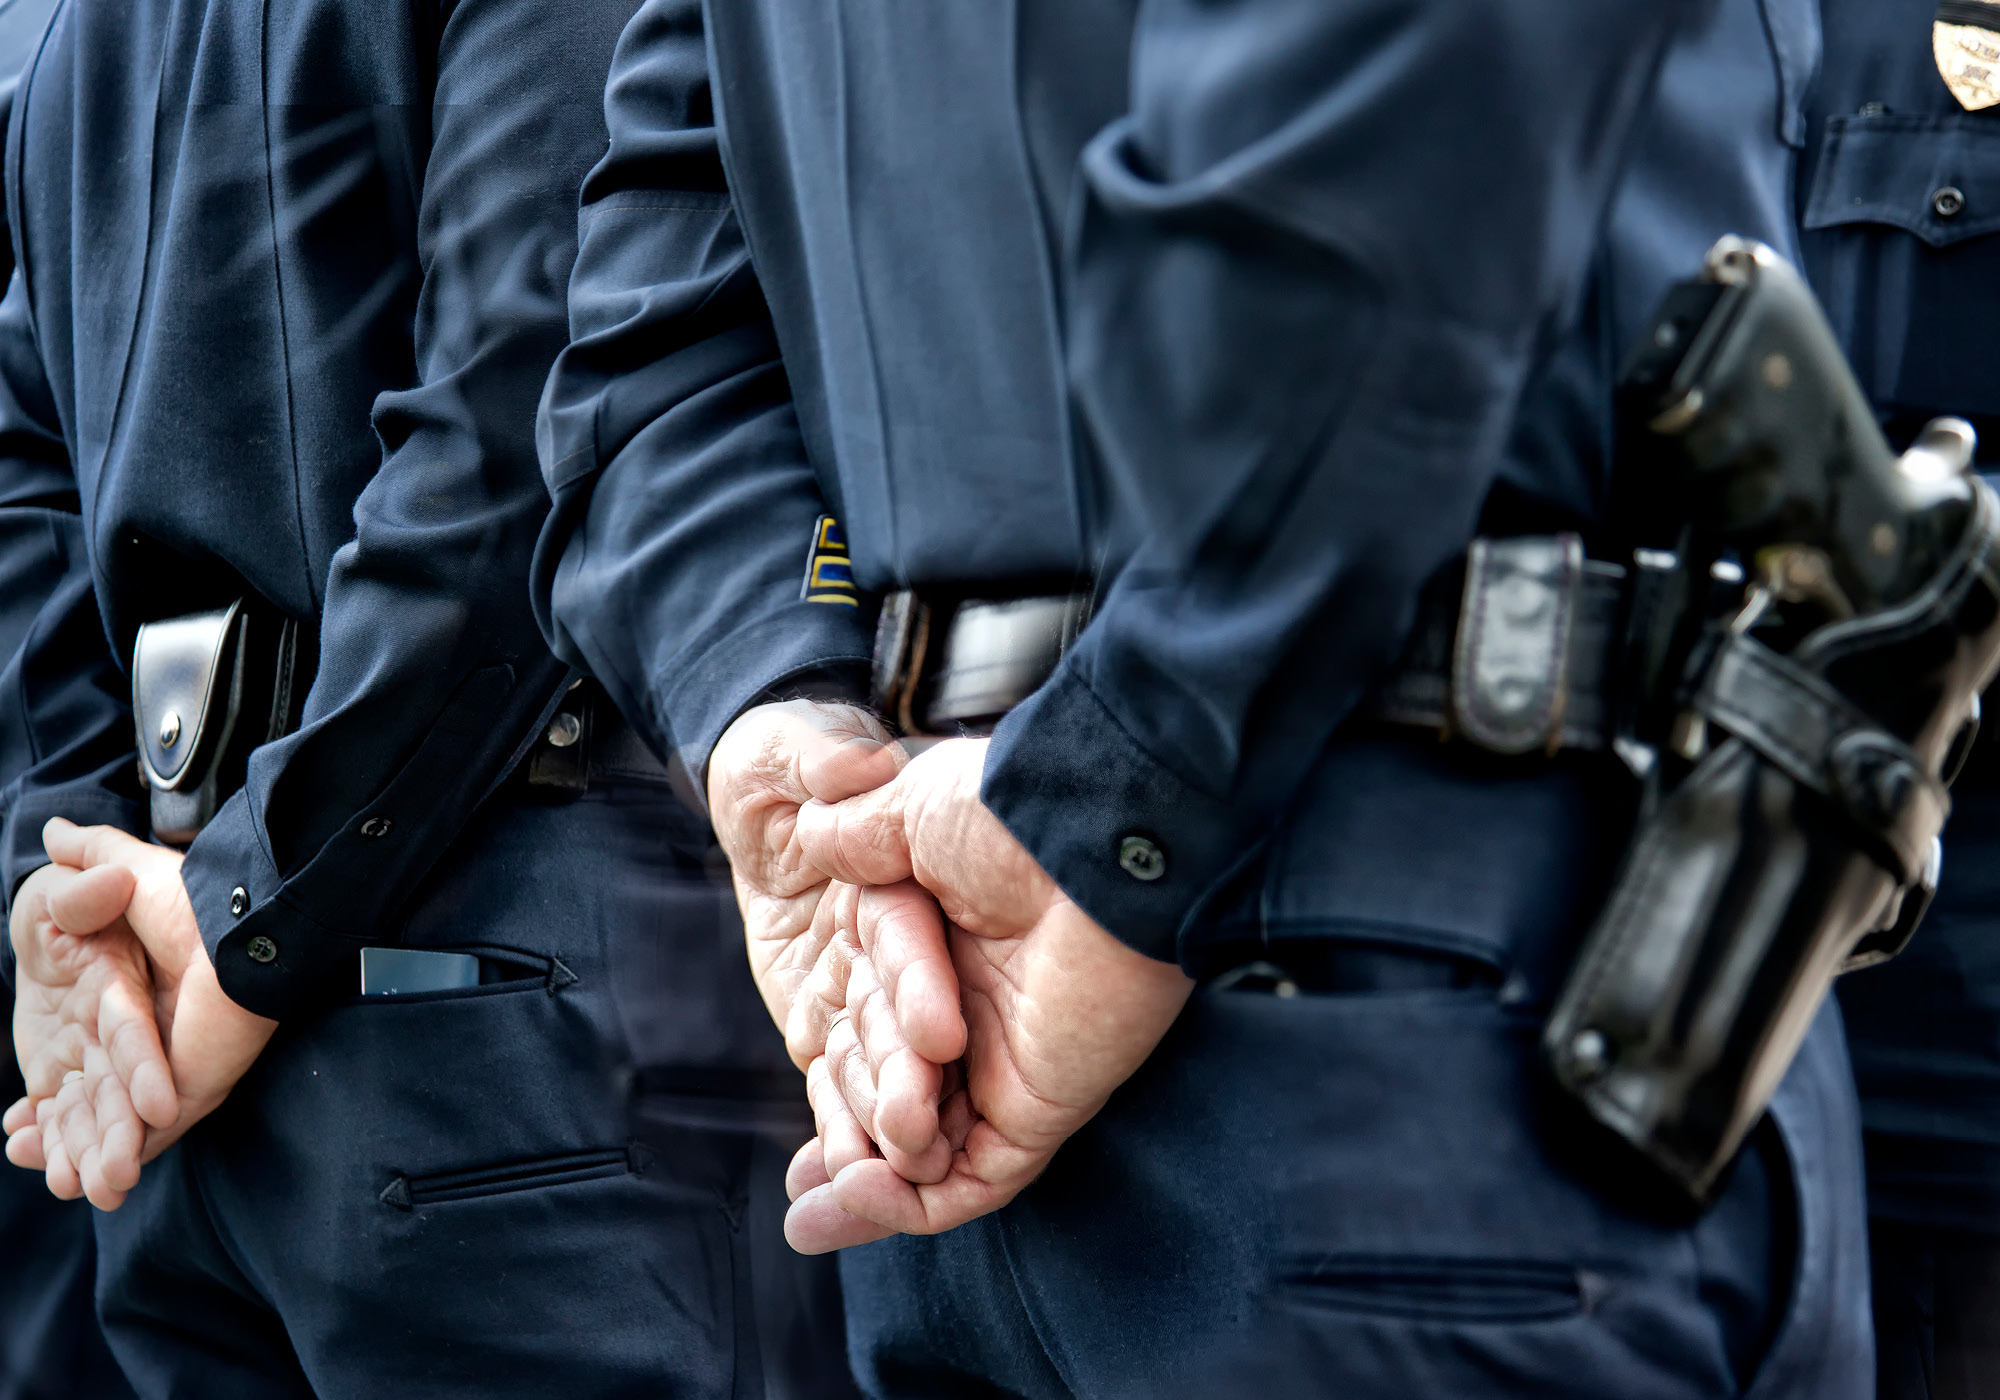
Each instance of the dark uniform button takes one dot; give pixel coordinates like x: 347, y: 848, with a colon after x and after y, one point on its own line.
x: 239, y: 901
x: 565, y: 729
x: 376, y: 826
x: 1948, y: 202
x: 1141, y: 859
x: 262, y: 950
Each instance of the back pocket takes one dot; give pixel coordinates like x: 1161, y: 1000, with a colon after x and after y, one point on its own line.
x: 1445, y: 1289
x: 503, y: 1178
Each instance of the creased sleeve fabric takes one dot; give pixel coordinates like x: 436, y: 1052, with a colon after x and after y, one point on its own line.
x: 1313, y: 269
x: 685, y: 504
x: 432, y: 676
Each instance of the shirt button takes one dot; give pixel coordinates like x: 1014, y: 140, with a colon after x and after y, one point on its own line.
x: 565, y: 729
x: 376, y: 826
x: 1141, y: 859
x: 262, y: 950
x: 239, y: 901
x: 1948, y: 202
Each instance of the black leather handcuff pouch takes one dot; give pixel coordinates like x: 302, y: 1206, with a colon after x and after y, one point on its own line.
x: 207, y: 688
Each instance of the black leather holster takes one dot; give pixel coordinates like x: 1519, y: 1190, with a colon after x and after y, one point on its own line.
x: 1799, y: 722
x: 208, y: 688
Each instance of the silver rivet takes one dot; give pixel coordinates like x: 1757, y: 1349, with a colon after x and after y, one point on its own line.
x: 170, y: 730
x: 262, y: 950
x: 565, y: 729
x: 1589, y: 1055
x: 239, y: 901
x: 1141, y: 859
x: 376, y: 826
x: 1949, y: 202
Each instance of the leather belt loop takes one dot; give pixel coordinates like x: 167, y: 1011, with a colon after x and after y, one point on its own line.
x: 1510, y: 674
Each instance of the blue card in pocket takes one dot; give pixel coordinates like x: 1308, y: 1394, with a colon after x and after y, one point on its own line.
x: 387, y: 972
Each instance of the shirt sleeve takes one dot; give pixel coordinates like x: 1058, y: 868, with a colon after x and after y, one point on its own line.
x: 685, y: 506
x: 1314, y: 267
x: 433, y: 678
x: 66, y: 742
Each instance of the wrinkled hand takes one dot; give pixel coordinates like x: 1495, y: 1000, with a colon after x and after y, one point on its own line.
x: 209, y: 1041
x: 83, y: 1021
x: 1058, y: 1012
x: 771, y: 760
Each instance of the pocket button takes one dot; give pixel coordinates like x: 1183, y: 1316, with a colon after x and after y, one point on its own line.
x: 1948, y: 202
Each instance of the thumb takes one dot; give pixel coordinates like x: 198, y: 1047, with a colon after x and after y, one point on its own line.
x: 843, y: 750
x: 87, y: 846
x: 92, y: 901
x: 861, y: 840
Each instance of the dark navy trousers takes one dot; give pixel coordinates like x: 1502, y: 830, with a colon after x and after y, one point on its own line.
x: 1367, y: 1191
x: 567, y: 1181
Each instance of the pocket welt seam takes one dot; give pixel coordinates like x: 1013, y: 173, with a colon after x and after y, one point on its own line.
x: 407, y: 1192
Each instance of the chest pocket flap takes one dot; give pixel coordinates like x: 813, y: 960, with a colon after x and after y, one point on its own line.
x: 1935, y: 177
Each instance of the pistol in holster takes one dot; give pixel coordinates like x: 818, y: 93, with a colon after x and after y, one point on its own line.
x: 1813, y: 619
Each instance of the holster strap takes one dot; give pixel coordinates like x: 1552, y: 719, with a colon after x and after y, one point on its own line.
x: 1801, y: 724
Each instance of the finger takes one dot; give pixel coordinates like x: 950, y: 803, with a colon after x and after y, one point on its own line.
x: 897, y: 1096
x: 24, y: 1149
x: 841, y: 1136
x: 58, y: 1171
x: 131, y: 1038
x: 92, y: 900
x: 873, y: 1192
x: 817, y: 1225
x: 821, y: 998
x: 121, y: 1134
x: 860, y: 840
x: 807, y: 1170
x: 902, y: 931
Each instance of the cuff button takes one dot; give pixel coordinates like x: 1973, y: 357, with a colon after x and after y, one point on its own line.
x: 1141, y: 859
x: 376, y: 826
x: 239, y: 901
x: 262, y: 950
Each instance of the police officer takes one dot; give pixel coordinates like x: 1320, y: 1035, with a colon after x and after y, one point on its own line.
x: 1902, y: 173
x: 50, y: 1346
x: 1324, y: 316
x: 290, y: 281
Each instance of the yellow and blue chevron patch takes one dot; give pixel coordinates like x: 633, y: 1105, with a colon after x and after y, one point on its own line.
x: 829, y: 572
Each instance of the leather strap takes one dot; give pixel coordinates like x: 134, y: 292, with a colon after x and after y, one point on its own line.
x: 1802, y: 725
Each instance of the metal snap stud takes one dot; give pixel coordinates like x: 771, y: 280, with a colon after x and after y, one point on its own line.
x: 1141, y: 859
x: 565, y: 729
x: 239, y: 901
x: 1949, y: 202
x: 376, y: 826
x: 262, y: 950
x: 170, y: 730
x: 1589, y: 1054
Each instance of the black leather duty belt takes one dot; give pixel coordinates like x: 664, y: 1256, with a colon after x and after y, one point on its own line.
x: 1520, y: 658
x: 1515, y: 655
x: 950, y: 665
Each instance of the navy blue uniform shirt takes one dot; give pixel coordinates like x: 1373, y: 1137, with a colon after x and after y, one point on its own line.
x: 291, y: 277
x: 1900, y: 205
x: 1316, y: 255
